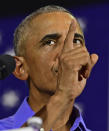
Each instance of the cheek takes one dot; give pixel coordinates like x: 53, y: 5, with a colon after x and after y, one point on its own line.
x: 40, y: 69
x: 39, y: 63
x: 41, y: 59
x: 40, y: 73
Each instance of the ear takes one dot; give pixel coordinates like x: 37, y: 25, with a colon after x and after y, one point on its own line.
x: 20, y: 71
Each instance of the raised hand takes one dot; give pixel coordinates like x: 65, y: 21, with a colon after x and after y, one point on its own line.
x: 75, y: 65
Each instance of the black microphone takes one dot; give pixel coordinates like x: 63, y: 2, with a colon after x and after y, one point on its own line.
x: 7, y: 65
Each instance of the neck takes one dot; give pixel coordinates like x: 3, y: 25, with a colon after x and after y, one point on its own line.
x: 37, y: 99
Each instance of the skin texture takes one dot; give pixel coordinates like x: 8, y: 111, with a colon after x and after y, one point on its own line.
x: 57, y: 69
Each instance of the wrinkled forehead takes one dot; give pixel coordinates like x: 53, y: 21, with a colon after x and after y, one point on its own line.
x: 53, y: 22
x: 53, y: 16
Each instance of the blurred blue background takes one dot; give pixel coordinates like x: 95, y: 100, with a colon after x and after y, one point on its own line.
x: 94, y: 20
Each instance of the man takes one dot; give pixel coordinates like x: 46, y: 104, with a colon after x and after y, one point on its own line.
x: 51, y: 55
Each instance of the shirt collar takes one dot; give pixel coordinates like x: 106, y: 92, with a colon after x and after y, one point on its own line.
x: 78, y: 122
x: 26, y: 111
x: 23, y: 113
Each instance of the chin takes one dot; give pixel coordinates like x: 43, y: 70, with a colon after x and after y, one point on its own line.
x: 48, y: 89
x: 51, y: 91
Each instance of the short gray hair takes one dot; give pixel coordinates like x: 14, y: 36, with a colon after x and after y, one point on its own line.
x: 22, y: 31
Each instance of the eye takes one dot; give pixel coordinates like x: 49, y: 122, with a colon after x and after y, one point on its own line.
x: 49, y: 42
x: 78, y: 41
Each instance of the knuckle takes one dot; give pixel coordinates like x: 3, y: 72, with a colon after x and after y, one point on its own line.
x: 86, y: 59
x: 66, y: 62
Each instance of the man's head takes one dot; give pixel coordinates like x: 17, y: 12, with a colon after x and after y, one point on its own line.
x: 22, y: 32
x: 38, y: 43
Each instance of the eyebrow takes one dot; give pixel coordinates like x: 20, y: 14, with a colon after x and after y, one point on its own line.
x: 79, y: 35
x: 51, y: 36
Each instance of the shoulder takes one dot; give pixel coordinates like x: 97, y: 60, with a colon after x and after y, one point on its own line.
x: 23, y: 113
x: 7, y: 123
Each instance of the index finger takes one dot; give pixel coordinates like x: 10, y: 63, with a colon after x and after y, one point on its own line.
x: 69, y: 38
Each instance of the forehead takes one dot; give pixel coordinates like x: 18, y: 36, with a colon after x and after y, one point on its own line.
x: 53, y: 22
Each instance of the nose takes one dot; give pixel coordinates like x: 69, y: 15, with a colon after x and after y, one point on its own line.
x: 58, y: 52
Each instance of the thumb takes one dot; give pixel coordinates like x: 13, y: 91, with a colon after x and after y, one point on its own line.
x: 86, y: 70
x: 94, y: 59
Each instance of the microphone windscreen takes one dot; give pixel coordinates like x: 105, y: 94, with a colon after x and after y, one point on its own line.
x: 7, y: 65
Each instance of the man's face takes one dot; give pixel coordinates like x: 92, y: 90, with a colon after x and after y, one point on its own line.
x: 44, y: 46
